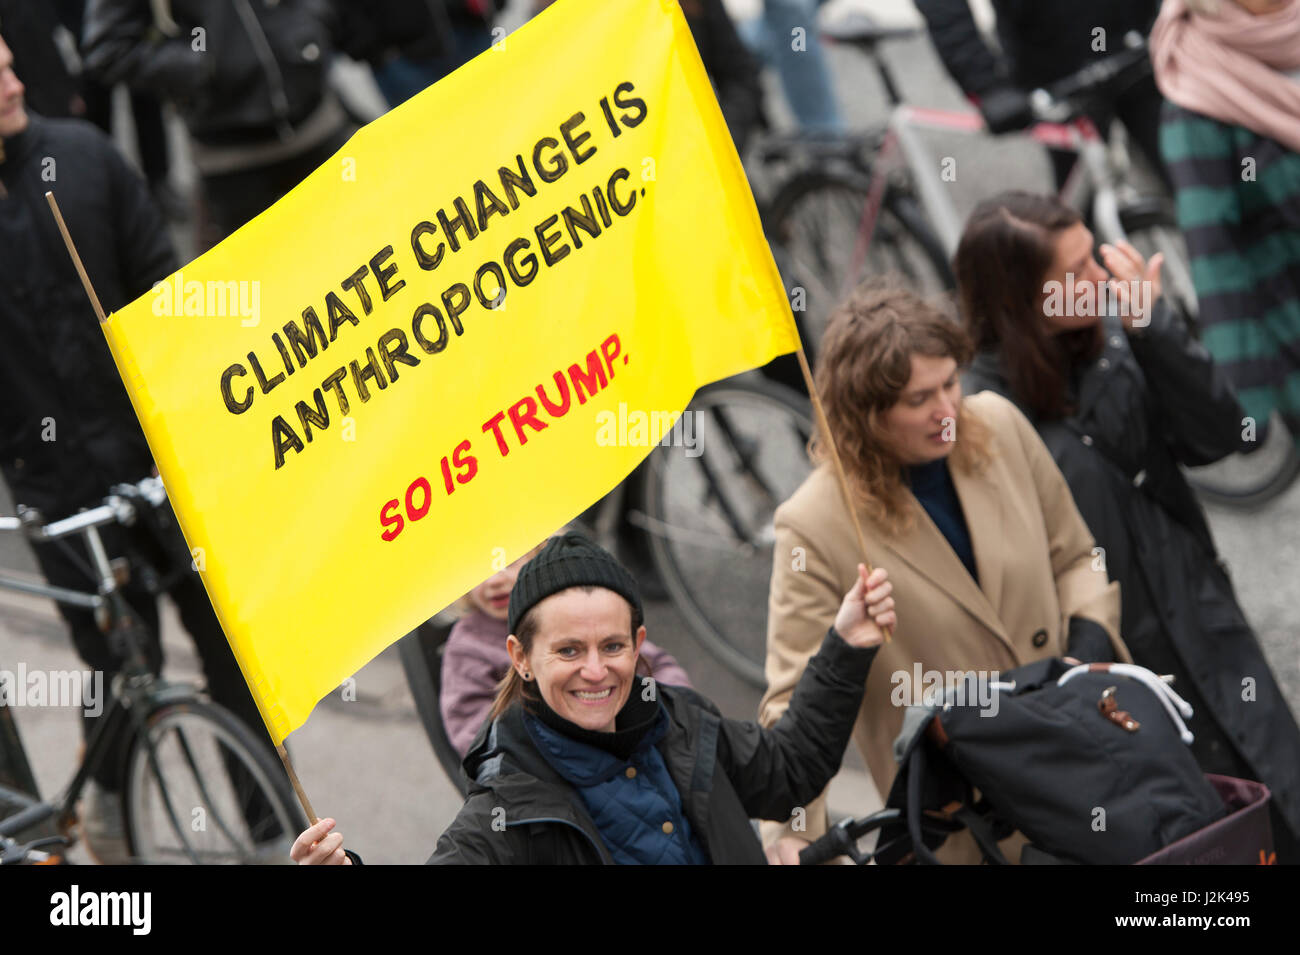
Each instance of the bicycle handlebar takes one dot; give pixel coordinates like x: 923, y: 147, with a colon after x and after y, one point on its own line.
x: 118, y: 507
x: 828, y: 847
x: 1065, y: 99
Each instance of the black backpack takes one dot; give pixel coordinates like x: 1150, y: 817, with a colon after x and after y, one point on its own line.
x: 1095, y: 769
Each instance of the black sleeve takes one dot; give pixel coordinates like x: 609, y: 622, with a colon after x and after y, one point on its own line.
x: 121, y: 44
x: 775, y: 770
x: 957, y: 40
x: 356, y: 859
x: 1088, y: 642
x: 1196, y: 402
x: 472, y: 839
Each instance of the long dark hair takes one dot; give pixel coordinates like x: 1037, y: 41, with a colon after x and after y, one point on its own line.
x: 1005, y: 251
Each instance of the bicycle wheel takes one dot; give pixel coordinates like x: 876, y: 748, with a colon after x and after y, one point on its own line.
x: 1249, y: 481
x: 832, y: 242
x: 708, y: 512
x: 204, y: 791
x: 1153, y: 230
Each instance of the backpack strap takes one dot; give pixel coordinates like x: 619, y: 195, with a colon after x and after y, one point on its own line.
x: 979, y: 828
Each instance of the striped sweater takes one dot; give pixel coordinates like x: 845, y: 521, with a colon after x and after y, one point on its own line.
x: 1238, y: 197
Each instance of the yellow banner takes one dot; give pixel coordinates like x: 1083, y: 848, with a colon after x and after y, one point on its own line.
x: 402, y: 375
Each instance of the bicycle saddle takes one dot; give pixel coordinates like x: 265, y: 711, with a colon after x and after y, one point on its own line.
x: 864, y: 29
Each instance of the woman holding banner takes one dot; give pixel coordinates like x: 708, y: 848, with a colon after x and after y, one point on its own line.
x: 958, y: 496
x: 585, y: 762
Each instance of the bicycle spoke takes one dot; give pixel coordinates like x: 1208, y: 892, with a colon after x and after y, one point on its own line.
x: 202, y: 786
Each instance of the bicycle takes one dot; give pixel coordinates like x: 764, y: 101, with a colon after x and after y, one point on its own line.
x: 1102, y: 187
x: 864, y: 180
x: 708, y: 512
x: 198, y: 786
x: 831, y: 220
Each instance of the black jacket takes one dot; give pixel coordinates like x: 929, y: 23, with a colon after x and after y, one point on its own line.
x: 727, y: 771
x: 1151, y: 401
x: 375, y: 30
x: 254, y: 73
x: 67, y: 430
x: 1042, y: 40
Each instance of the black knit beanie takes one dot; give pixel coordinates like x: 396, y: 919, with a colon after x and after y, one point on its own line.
x: 568, y: 560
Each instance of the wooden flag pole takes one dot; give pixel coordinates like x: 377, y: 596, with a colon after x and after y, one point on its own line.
x: 99, y: 312
x: 297, y: 786
x: 825, y: 429
x: 76, y: 259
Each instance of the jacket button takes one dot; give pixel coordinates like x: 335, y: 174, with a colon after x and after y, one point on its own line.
x: 1104, y: 364
x: 1040, y: 638
x: 668, y: 828
x: 1115, y: 341
x: 631, y: 772
x: 1140, y: 478
x: 1087, y: 439
x: 19, y: 463
x: 311, y: 53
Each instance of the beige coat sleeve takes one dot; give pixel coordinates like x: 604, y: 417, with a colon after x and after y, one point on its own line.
x: 802, y: 604
x: 1082, y: 587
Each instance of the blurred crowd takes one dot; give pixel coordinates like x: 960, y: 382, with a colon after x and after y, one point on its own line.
x: 1076, y: 438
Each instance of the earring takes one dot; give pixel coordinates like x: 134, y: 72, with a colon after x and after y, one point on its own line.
x: 526, y: 675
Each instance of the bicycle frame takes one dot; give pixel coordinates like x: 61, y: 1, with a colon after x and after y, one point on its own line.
x: 133, y: 686
x: 1093, y: 183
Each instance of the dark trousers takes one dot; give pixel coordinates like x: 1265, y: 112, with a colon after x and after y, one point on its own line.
x: 230, y: 200
x: 150, y: 135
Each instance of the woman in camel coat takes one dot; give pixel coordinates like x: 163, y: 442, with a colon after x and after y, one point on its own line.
x: 992, y: 565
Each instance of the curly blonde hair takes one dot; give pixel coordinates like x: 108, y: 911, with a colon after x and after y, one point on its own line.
x: 864, y: 366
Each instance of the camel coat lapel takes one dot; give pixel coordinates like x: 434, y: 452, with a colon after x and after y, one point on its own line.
x: 1033, y: 555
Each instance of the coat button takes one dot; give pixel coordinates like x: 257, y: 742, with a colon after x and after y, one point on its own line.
x: 1104, y: 364
x: 1040, y: 638
x: 631, y: 772
x: 1140, y: 478
x: 311, y: 53
x: 1087, y: 439
x: 1115, y: 341
x: 19, y: 463
x: 668, y: 828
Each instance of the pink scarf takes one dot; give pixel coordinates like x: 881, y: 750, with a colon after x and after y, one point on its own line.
x: 1232, y: 66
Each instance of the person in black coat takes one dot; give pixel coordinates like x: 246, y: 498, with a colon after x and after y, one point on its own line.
x: 249, y: 80
x: 584, y: 762
x: 67, y: 430
x: 1044, y: 41
x: 1122, y: 400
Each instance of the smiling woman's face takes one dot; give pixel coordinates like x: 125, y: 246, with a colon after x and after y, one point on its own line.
x: 583, y: 655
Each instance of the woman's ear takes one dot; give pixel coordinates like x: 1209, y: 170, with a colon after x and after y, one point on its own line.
x: 518, y: 659
x: 639, y: 638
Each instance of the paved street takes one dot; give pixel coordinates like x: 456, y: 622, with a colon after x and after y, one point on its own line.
x: 368, y: 763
